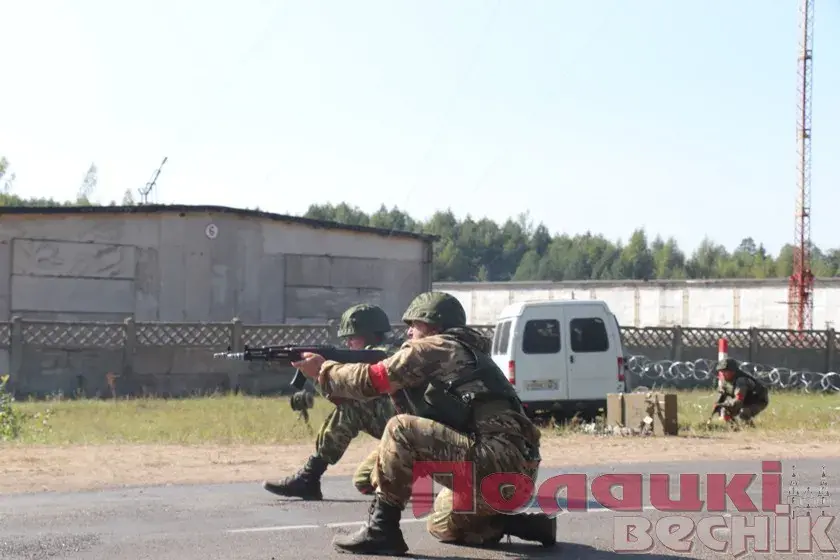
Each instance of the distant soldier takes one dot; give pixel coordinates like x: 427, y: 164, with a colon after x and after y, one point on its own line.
x: 742, y: 396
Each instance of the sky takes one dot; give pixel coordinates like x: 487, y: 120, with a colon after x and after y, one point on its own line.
x: 676, y: 116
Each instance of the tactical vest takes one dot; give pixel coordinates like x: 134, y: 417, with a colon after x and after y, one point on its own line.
x: 446, y: 402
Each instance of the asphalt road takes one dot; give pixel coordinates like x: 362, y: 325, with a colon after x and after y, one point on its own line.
x: 242, y: 521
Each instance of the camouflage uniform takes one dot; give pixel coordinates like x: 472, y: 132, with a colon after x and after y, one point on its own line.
x: 499, y: 436
x: 344, y: 424
x: 363, y: 479
x: 742, y: 396
x: 347, y: 420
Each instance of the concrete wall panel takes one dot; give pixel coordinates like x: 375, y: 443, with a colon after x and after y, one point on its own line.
x: 660, y: 307
x: 520, y: 297
x: 66, y: 258
x: 147, y: 286
x: 32, y: 293
x: 711, y: 306
x: 400, y: 282
x: 360, y: 273
x: 694, y: 303
x: 622, y: 302
x: 326, y: 303
x: 272, y: 289
x: 248, y: 290
x: 172, y: 266
x: 292, y: 239
x: 308, y: 270
x: 5, y: 279
x: 197, y: 282
x: 85, y: 229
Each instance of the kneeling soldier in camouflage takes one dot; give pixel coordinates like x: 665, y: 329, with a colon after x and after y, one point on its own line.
x: 463, y: 410
x: 742, y: 396
x: 362, y: 327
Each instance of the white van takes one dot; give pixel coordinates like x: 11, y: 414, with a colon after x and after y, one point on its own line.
x: 563, y: 356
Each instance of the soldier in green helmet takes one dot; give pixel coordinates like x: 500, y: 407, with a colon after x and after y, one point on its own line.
x: 463, y: 409
x: 362, y: 327
x: 742, y: 396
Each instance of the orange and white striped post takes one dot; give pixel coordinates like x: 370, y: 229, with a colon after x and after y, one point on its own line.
x: 723, y: 349
x: 723, y: 354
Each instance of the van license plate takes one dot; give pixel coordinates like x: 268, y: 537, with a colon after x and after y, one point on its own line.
x: 542, y: 385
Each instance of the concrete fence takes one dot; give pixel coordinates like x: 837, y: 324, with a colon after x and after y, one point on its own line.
x: 175, y: 359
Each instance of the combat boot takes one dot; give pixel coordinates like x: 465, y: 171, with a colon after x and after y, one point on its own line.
x: 534, y: 527
x: 381, y: 536
x: 305, y: 484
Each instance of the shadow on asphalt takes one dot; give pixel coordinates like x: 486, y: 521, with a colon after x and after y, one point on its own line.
x: 520, y: 550
x: 290, y: 501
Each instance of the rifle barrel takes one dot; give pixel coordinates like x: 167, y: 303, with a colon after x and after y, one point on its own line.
x: 229, y: 355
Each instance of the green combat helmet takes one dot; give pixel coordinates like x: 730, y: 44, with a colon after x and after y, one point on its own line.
x: 728, y: 364
x: 436, y: 308
x: 363, y: 320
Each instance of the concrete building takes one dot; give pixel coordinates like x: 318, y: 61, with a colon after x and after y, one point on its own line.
x: 200, y: 263
x: 692, y: 303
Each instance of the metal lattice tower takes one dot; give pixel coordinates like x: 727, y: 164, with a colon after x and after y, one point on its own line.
x: 147, y: 190
x: 801, y: 284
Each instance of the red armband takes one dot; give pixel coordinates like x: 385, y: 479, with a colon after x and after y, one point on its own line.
x: 739, y: 396
x: 379, y: 378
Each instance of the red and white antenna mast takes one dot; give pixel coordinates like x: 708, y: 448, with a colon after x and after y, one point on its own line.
x: 801, y: 283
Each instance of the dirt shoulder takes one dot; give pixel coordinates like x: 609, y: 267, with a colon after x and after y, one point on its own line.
x: 39, y: 469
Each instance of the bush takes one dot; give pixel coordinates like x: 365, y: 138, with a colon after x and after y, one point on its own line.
x: 10, y: 419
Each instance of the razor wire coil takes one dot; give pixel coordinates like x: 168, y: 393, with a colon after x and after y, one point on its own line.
x: 700, y: 373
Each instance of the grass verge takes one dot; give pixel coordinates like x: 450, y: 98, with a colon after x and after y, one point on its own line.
x: 72, y: 445
x: 241, y: 420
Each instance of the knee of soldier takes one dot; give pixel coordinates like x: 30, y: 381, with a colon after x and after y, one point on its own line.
x: 395, y: 423
x: 440, y: 526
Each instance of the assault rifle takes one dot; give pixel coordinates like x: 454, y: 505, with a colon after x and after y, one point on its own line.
x: 293, y: 353
x: 717, y: 408
x: 285, y: 355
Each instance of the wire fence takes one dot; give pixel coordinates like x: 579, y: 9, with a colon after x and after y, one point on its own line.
x: 44, y: 352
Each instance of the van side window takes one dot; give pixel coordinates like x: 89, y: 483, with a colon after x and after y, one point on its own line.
x: 542, y: 336
x: 504, y: 338
x: 497, y: 333
x: 589, y: 335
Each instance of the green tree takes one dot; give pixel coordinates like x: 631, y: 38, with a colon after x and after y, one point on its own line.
x: 480, y: 249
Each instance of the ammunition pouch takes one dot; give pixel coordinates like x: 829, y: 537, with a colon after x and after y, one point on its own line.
x: 448, y: 407
x: 302, y: 401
